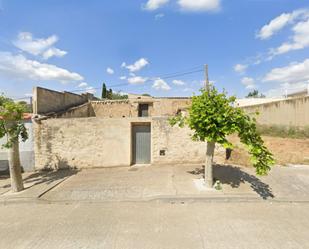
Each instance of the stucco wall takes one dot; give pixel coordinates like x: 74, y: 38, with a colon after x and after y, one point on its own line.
x: 82, y: 143
x: 101, y: 142
x: 45, y: 100
x: 288, y: 112
x: 177, y: 143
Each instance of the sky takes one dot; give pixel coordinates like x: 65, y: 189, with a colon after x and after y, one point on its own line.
x: 158, y: 47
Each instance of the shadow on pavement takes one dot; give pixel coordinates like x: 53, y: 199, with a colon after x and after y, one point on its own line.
x: 234, y: 176
x: 46, y: 177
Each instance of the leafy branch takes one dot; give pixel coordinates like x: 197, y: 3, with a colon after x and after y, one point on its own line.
x: 212, y: 117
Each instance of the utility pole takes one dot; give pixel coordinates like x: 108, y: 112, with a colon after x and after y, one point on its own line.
x: 206, y: 78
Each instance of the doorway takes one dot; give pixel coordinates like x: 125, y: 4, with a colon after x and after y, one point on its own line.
x: 141, y: 144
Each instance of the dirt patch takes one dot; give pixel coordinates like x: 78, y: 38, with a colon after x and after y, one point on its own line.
x: 285, y: 150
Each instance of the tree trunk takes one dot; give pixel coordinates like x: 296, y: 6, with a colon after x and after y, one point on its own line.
x: 15, y: 169
x: 208, y: 164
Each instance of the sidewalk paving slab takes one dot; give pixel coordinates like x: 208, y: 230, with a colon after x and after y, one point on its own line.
x: 178, y: 182
x: 36, y: 184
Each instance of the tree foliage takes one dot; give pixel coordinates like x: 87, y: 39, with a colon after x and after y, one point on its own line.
x: 255, y: 94
x: 104, y: 91
x: 109, y: 94
x: 11, y: 125
x: 212, y: 118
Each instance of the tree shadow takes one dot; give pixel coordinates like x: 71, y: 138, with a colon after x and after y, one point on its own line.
x: 48, y: 175
x: 235, y: 176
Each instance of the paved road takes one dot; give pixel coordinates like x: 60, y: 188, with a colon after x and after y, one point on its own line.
x: 125, y: 225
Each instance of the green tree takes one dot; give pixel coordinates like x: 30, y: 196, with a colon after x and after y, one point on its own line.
x: 12, y: 127
x: 104, y: 91
x: 212, y: 118
x: 255, y: 94
x: 109, y: 94
x: 27, y: 107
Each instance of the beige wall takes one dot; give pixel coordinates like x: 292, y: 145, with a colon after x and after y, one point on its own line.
x: 82, y: 111
x: 129, y: 108
x: 114, y: 109
x: 46, y: 101
x: 177, y: 143
x: 82, y: 142
x: 288, y: 112
x: 101, y: 142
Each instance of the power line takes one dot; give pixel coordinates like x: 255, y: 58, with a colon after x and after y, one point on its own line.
x: 191, y: 70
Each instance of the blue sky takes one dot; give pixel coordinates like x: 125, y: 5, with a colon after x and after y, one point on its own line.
x: 77, y: 45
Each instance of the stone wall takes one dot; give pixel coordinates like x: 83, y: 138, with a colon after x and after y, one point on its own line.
x: 82, y: 111
x: 288, y: 112
x: 114, y: 109
x: 101, y: 142
x: 129, y: 108
x: 47, y: 101
x: 169, y: 106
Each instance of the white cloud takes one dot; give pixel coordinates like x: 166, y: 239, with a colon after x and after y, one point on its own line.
x: 300, y: 39
x: 110, y: 70
x: 278, y: 23
x: 138, y: 65
x: 53, y: 52
x: 160, y: 84
x: 159, y: 16
x: 155, y: 4
x: 42, y: 47
x: 123, y: 77
x: 240, y: 68
x: 188, y: 89
x: 18, y: 66
x: 287, y: 88
x: 83, y: 84
x: 274, y: 26
x: 248, y: 82
x: 137, y: 80
x: 293, y: 73
x: 199, y: 5
x: 90, y: 89
x: 178, y: 82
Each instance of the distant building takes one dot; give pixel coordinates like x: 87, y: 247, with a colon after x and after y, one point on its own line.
x: 301, y: 93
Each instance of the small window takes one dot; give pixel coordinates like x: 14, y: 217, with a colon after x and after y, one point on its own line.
x: 143, y: 110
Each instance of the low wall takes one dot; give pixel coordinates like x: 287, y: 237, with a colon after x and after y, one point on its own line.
x: 47, y: 101
x: 288, y: 112
x: 101, y: 142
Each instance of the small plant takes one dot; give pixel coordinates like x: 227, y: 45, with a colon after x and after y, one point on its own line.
x: 217, y: 185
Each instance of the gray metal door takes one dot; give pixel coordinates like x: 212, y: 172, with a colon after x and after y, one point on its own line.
x: 141, y: 143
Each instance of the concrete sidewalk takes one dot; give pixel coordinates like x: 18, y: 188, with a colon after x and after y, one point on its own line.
x: 165, y: 182
x: 36, y: 184
x: 160, y: 182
